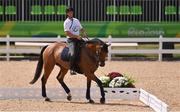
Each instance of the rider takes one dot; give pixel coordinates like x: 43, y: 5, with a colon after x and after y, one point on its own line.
x: 72, y: 29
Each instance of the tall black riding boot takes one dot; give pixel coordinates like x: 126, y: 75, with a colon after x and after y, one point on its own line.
x: 72, y: 45
x: 72, y: 72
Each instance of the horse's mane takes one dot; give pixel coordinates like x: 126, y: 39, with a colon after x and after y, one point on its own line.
x: 95, y: 40
x: 98, y: 41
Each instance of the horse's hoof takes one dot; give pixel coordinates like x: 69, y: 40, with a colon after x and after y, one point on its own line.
x: 91, y: 101
x: 47, y: 99
x: 102, y: 101
x: 69, y: 98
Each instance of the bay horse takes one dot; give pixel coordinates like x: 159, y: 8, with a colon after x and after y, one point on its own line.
x: 93, y: 51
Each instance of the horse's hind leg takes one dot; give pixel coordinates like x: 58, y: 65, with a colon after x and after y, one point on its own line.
x: 48, y: 67
x: 60, y: 78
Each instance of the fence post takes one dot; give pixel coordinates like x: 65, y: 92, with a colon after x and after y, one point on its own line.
x: 109, y: 48
x: 7, y: 48
x: 160, y: 47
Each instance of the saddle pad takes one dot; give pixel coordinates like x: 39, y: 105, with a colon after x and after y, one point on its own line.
x: 65, y: 55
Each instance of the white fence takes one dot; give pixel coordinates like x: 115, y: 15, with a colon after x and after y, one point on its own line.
x: 8, y: 50
x: 131, y: 94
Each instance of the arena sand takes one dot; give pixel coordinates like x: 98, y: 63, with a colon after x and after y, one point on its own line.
x: 159, y: 78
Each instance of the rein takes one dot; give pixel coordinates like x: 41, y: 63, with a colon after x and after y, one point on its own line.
x: 98, y: 56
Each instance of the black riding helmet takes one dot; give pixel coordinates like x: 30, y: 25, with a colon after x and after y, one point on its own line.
x: 69, y: 9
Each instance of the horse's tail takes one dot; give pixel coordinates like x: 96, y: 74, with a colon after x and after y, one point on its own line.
x: 39, y: 66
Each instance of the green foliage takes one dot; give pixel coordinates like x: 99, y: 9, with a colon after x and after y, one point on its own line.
x: 130, y: 80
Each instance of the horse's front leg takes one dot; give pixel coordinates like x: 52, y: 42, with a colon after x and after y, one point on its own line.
x: 88, y: 96
x: 94, y: 78
x: 102, y: 100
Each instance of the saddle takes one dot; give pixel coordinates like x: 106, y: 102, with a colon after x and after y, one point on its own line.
x: 65, y: 56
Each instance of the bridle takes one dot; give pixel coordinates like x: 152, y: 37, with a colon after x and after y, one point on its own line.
x: 98, y: 54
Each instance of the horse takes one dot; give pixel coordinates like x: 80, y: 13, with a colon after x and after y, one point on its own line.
x: 93, y: 51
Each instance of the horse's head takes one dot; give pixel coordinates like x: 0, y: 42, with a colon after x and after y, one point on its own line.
x: 100, y: 49
x: 102, y: 52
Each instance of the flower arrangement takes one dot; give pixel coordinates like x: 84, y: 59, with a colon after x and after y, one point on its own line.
x: 117, y: 80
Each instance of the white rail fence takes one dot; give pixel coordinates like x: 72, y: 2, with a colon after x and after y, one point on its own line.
x: 8, y: 50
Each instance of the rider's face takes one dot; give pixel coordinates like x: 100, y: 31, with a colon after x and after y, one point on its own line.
x: 70, y: 14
